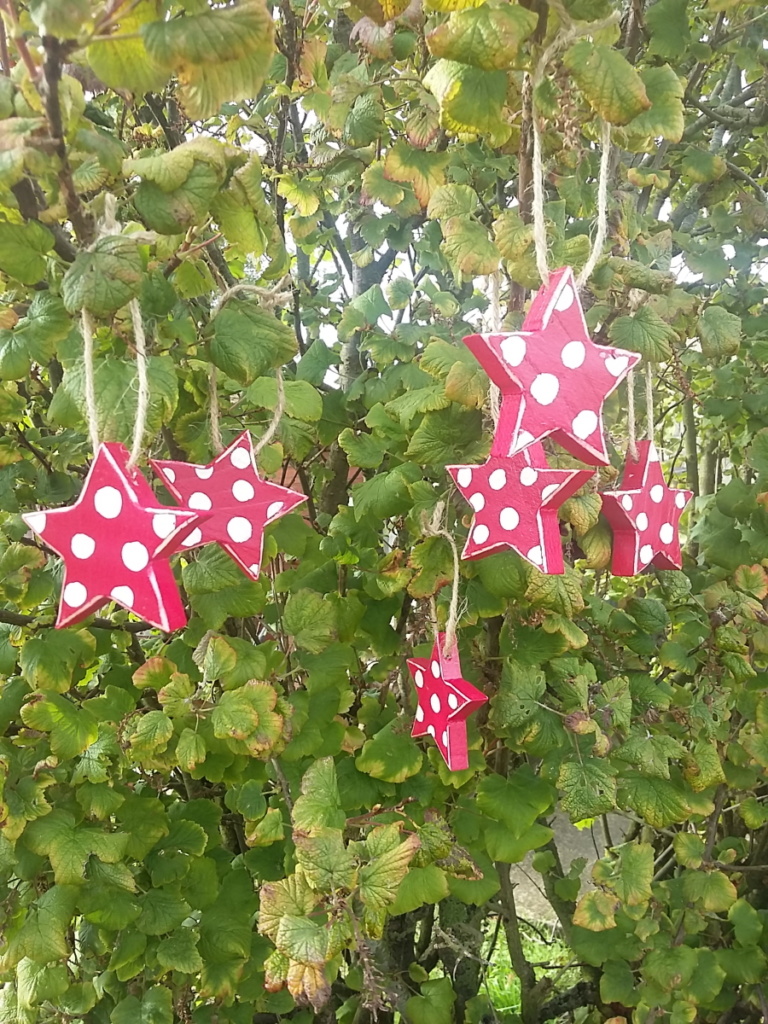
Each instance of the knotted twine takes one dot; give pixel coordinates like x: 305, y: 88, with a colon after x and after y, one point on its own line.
x: 269, y: 298
x: 434, y: 528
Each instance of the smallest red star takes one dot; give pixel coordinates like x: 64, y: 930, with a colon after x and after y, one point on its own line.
x: 644, y: 514
x: 445, y: 701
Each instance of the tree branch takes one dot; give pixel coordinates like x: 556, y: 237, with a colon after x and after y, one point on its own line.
x: 19, y: 619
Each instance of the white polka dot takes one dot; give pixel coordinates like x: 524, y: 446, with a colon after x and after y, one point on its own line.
x: 480, y: 534
x: 163, y: 524
x: 528, y: 476
x: 548, y: 491
x: 193, y: 538
x: 239, y: 529
x: 497, y: 479
x: 434, y: 703
x: 170, y: 475
x: 435, y: 666
x: 35, y: 521
x: 564, y: 299
x: 419, y: 678
x: 419, y: 713
x: 431, y: 731
x: 135, y: 556
x: 616, y: 365
x: 653, y: 455
x: 453, y: 701
x: 657, y: 493
x: 642, y: 521
x: 573, y: 354
x: 464, y: 476
x: 82, y: 545
x: 646, y: 554
x: 535, y: 555
x: 242, y: 490
x: 513, y: 349
x: 584, y: 424
x: 680, y: 499
x: 274, y: 508
x: 203, y: 472
x: 477, y: 501
x: 108, y: 502
x: 75, y: 595
x: 445, y: 737
x: 667, y: 533
x: 200, y: 501
x: 240, y: 458
x: 627, y: 503
x: 508, y: 518
x: 124, y: 595
x: 545, y: 388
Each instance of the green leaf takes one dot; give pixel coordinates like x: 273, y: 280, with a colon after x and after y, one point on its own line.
x: 43, y: 936
x: 670, y: 967
x: 468, y: 248
x: 665, y: 118
x: 380, y: 878
x: 719, y: 332
x: 179, y: 952
x: 471, y: 100
x: 689, y: 849
x: 435, y: 1004
x: 35, y: 337
x: 667, y: 21
x: 22, y: 250
x: 421, y: 885
x: 699, y: 165
x: 38, y: 983
x: 174, y: 212
x: 247, y: 714
x: 608, y: 81
x: 588, y: 787
x: 49, y: 659
x: 452, y: 201
x: 247, y: 341
x: 364, y: 450
x: 424, y: 171
x: 151, y: 734
x: 68, y: 846
x: 376, y: 186
x: 319, y: 805
x: 383, y: 496
x: 486, y: 37
x: 595, y: 911
x: 310, y: 620
x: 219, y: 55
x: 512, y: 235
x: 712, y: 889
x: 516, y: 801
x: 72, y: 728
x: 391, y: 755
x: 123, y: 62
x: 104, y: 277
x: 154, y: 1007
x: 327, y: 864
x: 658, y: 801
x: 747, y: 923
x: 447, y: 436
x: 162, y: 910
x: 644, y: 332
x: 629, y: 875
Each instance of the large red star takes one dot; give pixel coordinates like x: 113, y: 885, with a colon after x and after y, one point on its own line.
x: 445, y: 702
x: 553, y: 378
x: 115, y: 541
x: 645, y: 516
x: 239, y: 503
x: 516, y: 499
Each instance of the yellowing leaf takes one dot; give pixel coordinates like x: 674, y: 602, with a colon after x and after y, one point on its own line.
x: 425, y: 171
x: 608, y: 81
x: 468, y: 248
x: 381, y: 877
x: 123, y: 62
x: 485, y: 37
x: 471, y: 100
x: 595, y: 911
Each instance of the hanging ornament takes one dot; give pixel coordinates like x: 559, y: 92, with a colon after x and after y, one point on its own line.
x: 115, y: 542
x: 516, y: 499
x: 553, y: 378
x: 238, y: 503
x: 445, y: 701
x: 644, y: 514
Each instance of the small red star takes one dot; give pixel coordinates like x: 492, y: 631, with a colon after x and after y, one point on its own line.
x: 516, y: 499
x: 115, y: 541
x: 445, y: 702
x: 238, y: 502
x: 645, y: 516
x: 553, y: 378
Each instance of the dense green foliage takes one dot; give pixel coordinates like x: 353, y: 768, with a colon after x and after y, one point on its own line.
x: 233, y: 823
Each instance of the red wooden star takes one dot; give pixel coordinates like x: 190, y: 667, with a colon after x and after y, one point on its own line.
x: 516, y: 499
x: 645, y: 516
x: 115, y: 541
x: 240, y: 504
x: 553, y: 378
x: 445, y: 702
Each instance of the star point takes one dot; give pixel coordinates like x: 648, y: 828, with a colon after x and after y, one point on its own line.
x: 238, y: 502
x: 644, y: 514
x: 553, y: 378
x: 445, y: 701
x: 515, y: 501
x: 115, y: 541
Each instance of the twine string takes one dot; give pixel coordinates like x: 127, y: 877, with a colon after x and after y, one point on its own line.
x: 649, y: 413
x: 277, y: 415
x: 435, y: 528
x: 142, y: 370
x: 632, y: 427
x: 601, y: 231
x: 214, y: 421
x: 92, y: 416
x: 494, y: 310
